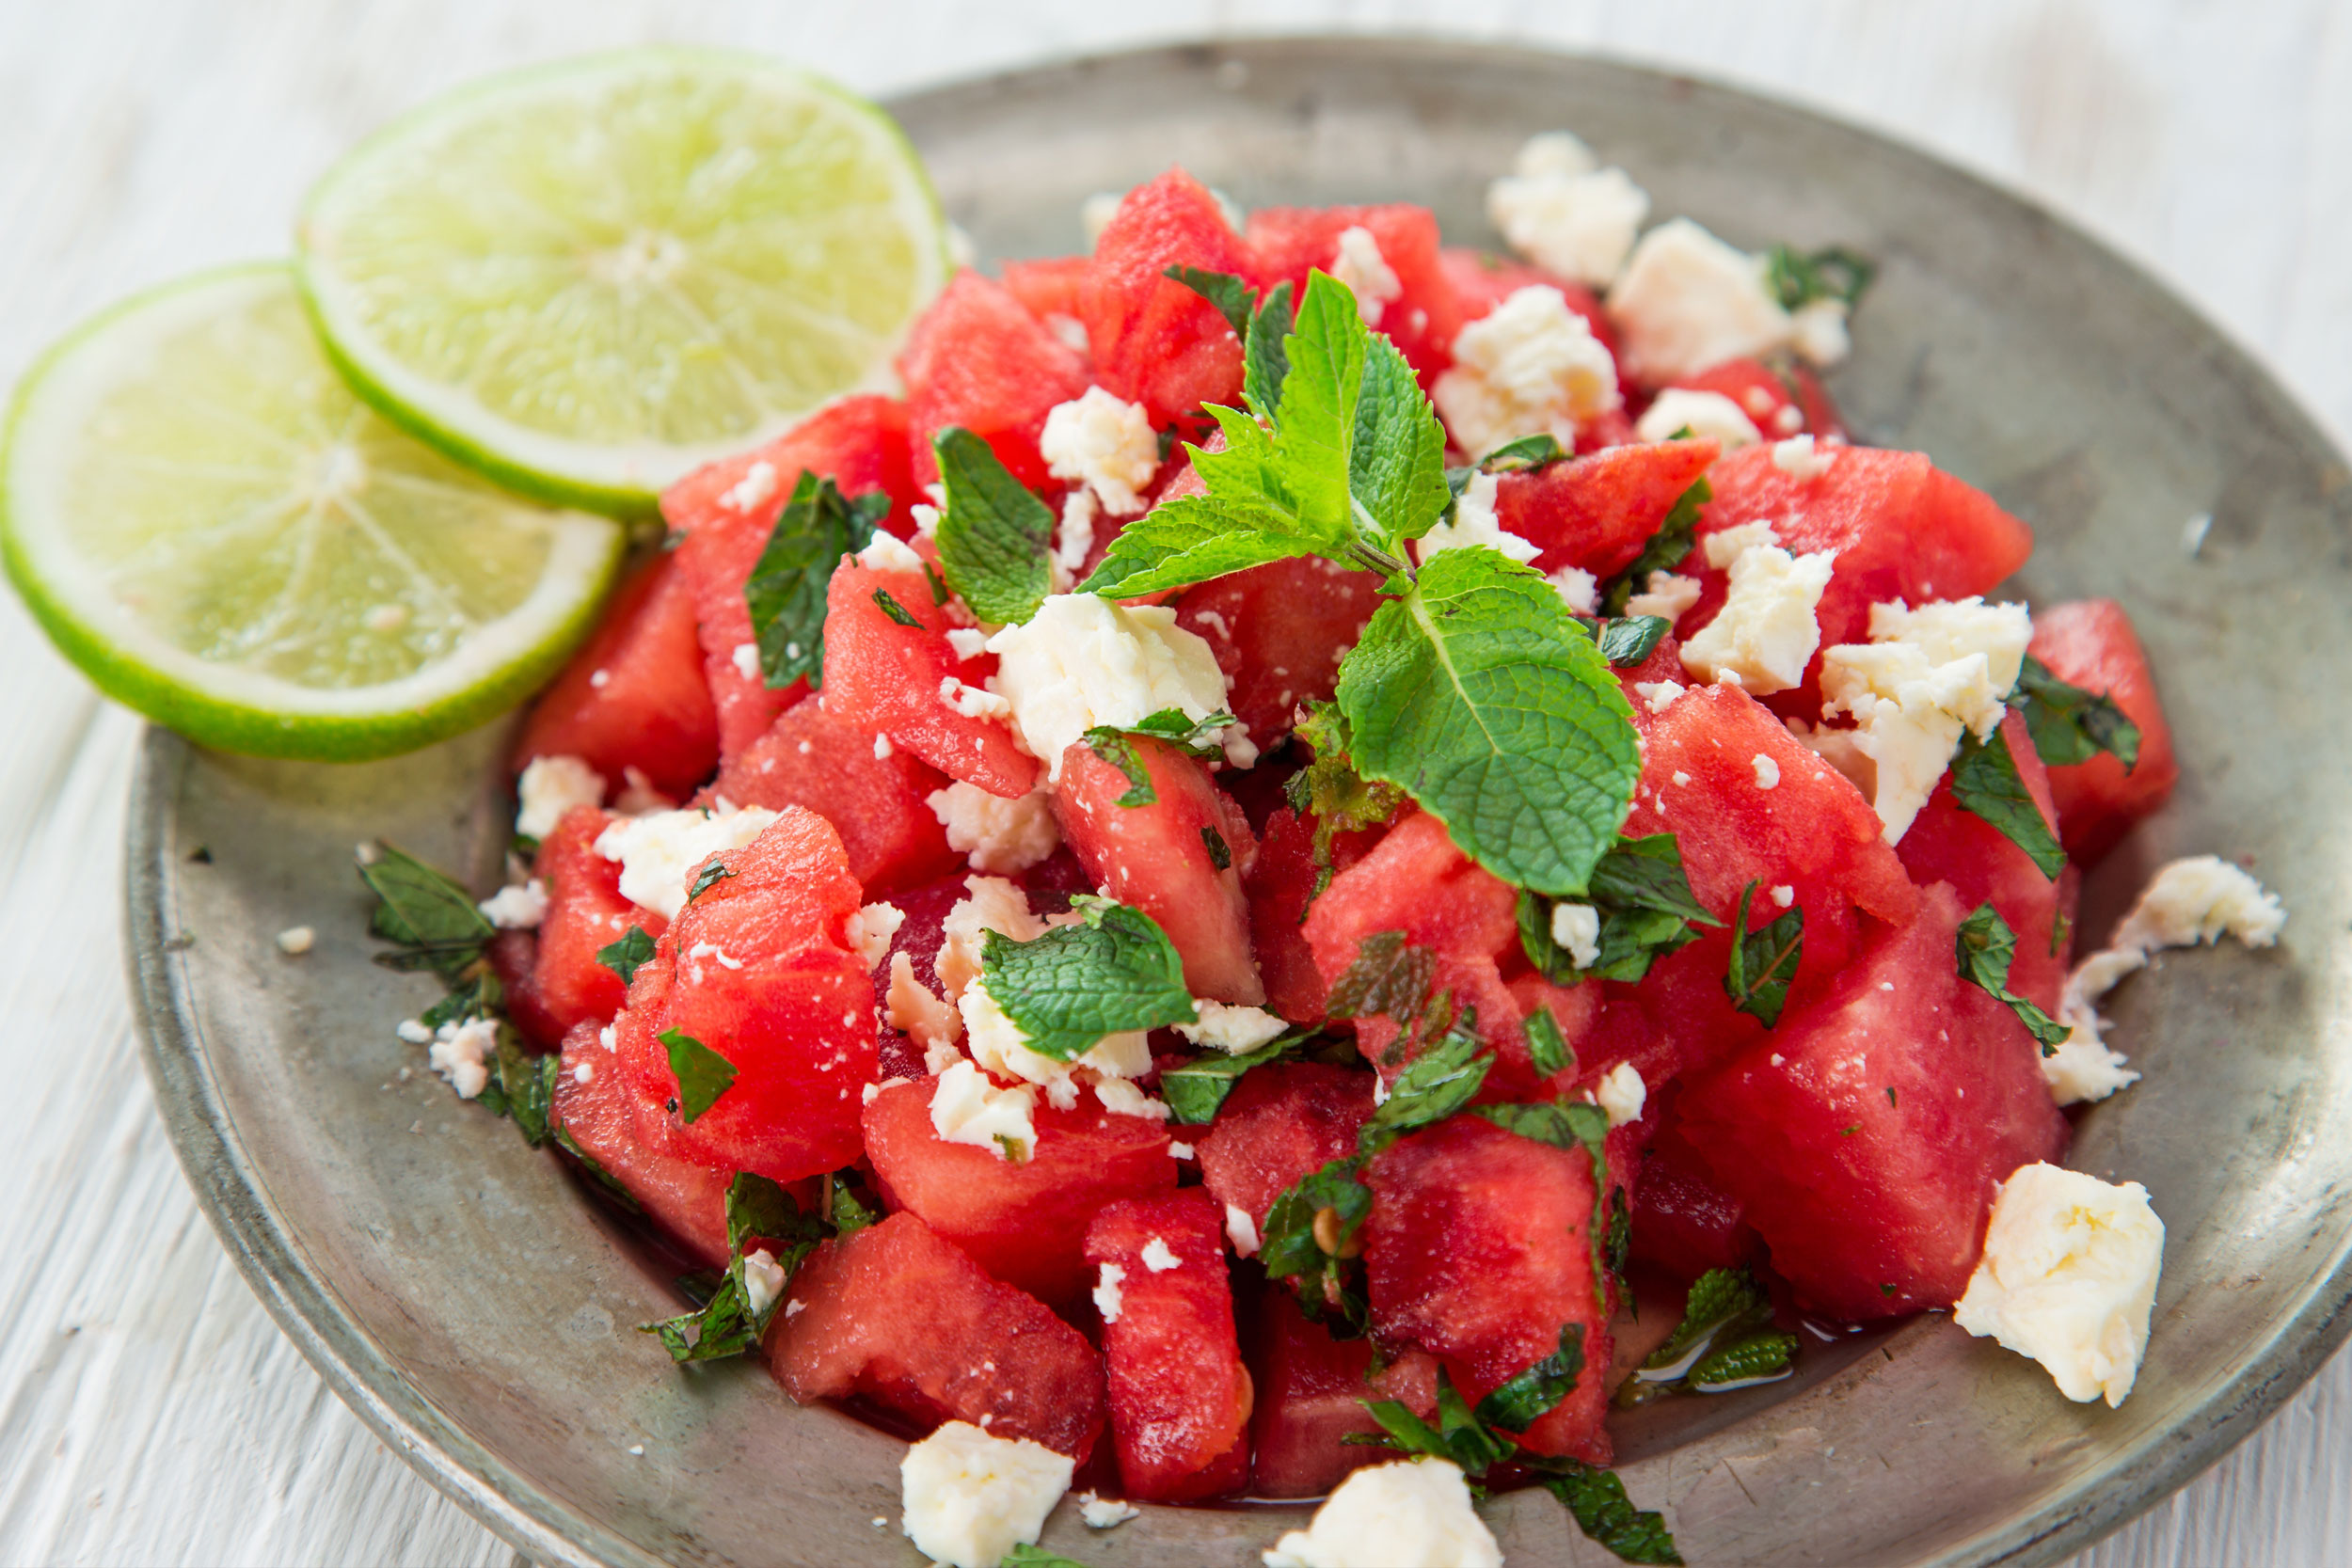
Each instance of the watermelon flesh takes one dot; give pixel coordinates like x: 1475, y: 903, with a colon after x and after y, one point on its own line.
x: 1595, y: 513
x: 1278, y: 632
x: 1682, y: 1222
x: 625, y: 1133
x: 1179, y: 1396
x: 585, y: 914
x: 903, y: 1317
x: 2090, y: 644
x: 979, y: 359
x: 1310, y: 1394
x: 1426, y: 314
x: 1281, y: 1123
x: 1155, y: 342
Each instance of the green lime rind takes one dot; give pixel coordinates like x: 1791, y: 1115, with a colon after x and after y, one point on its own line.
x: 72, y: 529
x: 720, y: 242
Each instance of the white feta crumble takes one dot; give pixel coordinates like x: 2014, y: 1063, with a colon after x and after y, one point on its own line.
x: 1658, y: 696
x: 1765, y: 634
x: 1105, y: 1513
x: 415, y: 1032
x: 584, y: 1074
x: 1576, y: 929
x: 1073, y: 539
x: 745, y: 658
x: 609, y: 1037
x: 912, y: 1009
x: 659, y: 851
x: 998, y: 1044
x: 1784, y: 895
x: 550, y: 786
x: 519, y: 907
x: 1702, y: 413
x: 1722, y: 549
x: 1565, y: 215
x: 1475, y: 522
x: 295, y: 941
x: 1529, y: 367
x: 990, y: 904
x: 1158, y: 1257
x: 1817, y: 330
x: 1767, y: 771
x: 1104, y: 442
x: 1230, y: 1027
x: 967, y: 1108
x: 882, y: 747
x: 1577, y: 589
x: 872, y: 928
x: 1108, y: 1298
x: 970, y: 701
x: 2069, y: 1278
x: 1622, y: 1094
x: 991, y: 832
x: 1122, y: 1099
x: 1412, y: 1513
x: 1687, y: 301
x: 926, y: 516
x: 887, y: 552
x: 756, y: 488
x: 1241, y: 1228
x: 1083, y: 661
x: 1358, y: 263
x: 461, y: 1053
x: 763, y: 1280
x: 968, y: 1498
x: 967, y: 641
x: 1667, y: 595
x: 1799, y: 459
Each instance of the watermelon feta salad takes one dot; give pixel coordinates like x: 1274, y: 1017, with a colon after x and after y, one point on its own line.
x: 1191, y: 906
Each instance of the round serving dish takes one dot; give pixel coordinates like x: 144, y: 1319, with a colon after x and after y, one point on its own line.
x: 465, y: 1299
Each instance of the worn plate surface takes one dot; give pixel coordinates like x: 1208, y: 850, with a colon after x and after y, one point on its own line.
x: 457, y: 1291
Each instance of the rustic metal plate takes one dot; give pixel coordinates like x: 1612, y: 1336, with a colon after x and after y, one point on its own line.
x: 453, y: 1287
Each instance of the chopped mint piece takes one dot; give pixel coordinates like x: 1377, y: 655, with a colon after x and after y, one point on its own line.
x: 1115, y: 745
x: 1985, y: 783
x: 1595, y: 1499
x: 1764, y: 961
x: 625, y: 956
x: 1331, y: 791
x: 896, y: 611
x: 430, y: 917
x: 1798, y: 278
x: 785, y: 592
x: 2071, y: 725
x: 994, y: 536
x: 1520, y: 1401
x: 1665, y: 550
x: 1987, y: 947
x: 1229, y: 294
x: 1295, y: 1245
x: 703, y: 1074
x: 1628, y: 640
x: 709, y: 877
x: 1547, y: 1048
x: 1646, y: 910
x: 1195, y: 1090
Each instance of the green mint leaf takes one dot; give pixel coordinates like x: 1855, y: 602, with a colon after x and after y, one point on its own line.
x: 1396, y: 466
x: 896, y: 611
x: 479, y: 995
x: 1798, y: 278
x: 1292, y: 1249
x: 757, y: 1207
x: 1025, y: 1555
x: 1595, y: 1499
x: 1574, y: 1125
x: 1469, y: 1441
x: 1387, y: 977
x: 1763, y: 1358
x: 1525, y: 453
x: 1436, y: 1083
x: 625, y: 956
x: 1264, y: 361
x: 594, y: 1166
x: 1115, y: 745
x: 1069, y: 988
x: 527, y: 1085
x: 1400, y: 1429
x: 1986, y: 947
x: 1628, y: 641
x: 1646, y: 910
x: 1985, y: 783
x: 1666, y: 550
x: 785, y: 592
x: 1719, y: 1300
x: 1529, y: 1395
x: 1331, y: 791
x: 710, y: 876
x: 1763, y: 961
x: 1229, y: 294
x: 994, y: 538
x: 1220, y: 853
x: 847, y: 1212
x: 703, y: 1074
x: 1546, y: 1046
x: 1193, y: 538
x: 2071, y: 725
x: 430, y: 917
x: 1195, y: 1090
x: 1475, y: 694
x: 1618, y: 1244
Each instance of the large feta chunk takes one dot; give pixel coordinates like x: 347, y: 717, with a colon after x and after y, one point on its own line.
x: 1565, y: 215
x: 969, y: 1499
x: 991, y: 832
x: 550, y: 786
x: 1687, y: 301
x: 2069, y: 1278
x: 1104, y: 442
x: 1765, y: 634
x: 660, y: 850
x: 1622, y: 1094
x: 518, y: 907
x: 1358, y: 263
x: 968, y: 1108
x: 1667, y: 595
x: 1475, y: 522
x: 1700, y: 413
x: 1413, y: 1514
x: 916, y: 1010
x: 990, y: 904
x: 885, y: 552
x: 1530, y: 367
x: 1082, y: 660
x: 1231, y: 1027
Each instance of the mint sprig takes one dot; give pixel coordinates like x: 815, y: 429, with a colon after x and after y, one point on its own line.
x: 994, y: 536
x: 430, y: 918
x: 1331, y: 791
x: 1986, y: 947
x: 725, y: 1325
x: 1986, y: 784
x: 1112, y: 971
x: 785, y: 592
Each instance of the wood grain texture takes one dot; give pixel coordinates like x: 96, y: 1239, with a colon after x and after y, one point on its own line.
x: 149, y: 1412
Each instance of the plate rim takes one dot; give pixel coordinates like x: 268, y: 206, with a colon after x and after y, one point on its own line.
x: 548, y: 1530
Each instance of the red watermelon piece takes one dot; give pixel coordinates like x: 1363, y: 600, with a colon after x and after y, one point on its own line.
x: 585, y: 914
x: 1180, y: 1396
x: 1482, y: 280
x: 1024, y: 1223
x: 1866, y: 1134
x: 1280, y: 884
x: 1597, y: 513
x: 1154, y: 341
x: 1280, y: 1123
x: 1683, y: 1222
x: 1311, y: 1391
x: 979, y: 359
x: 515, y: 959
x: 1421, y: 320
x: 900, y: 1316
x: 1048, y: 285
x: 2090, y: 644
x: 1278, y: 632
x: 627, y: 1135
x: 1158, y: 858
x: 634, y: 696
x: 1479, y: 1250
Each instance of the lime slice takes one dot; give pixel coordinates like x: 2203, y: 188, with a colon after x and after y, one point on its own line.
x: 587, y: 279
x: 209, y: 523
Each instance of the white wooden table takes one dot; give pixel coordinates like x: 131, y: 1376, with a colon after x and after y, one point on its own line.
x: 150, y: 1413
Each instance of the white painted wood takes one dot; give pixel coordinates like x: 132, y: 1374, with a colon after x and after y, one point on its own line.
x: 150, y: 1413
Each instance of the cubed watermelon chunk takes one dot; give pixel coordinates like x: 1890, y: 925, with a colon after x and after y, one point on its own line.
x: 1180, y: 1396
x: 1280, y: 1123
x: 810, y: 757
x: 1155, y: 342
x: 1311, y: 1391
x: 2090, y: 643
x: 885, y: 677
x: 515, y: 959
x: 979, y: 359
x: 1421, y: 320
x: 903, y: 1317
x: 1278, y: 632
x: 1867, y: 1135
x: 1281, y: 884
x: 1024, y: 1223
x: 627, y: 1135
x: 585, y: 914
x: 1479, y: 1250
x: 1162, y: 858
x: 634, y: 696
x: 1682, y: 1221
x: 1595, y: 513
x: 1047, y: 285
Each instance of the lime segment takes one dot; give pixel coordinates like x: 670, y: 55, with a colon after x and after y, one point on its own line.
x: 588, y: 279
x: 221, y: 535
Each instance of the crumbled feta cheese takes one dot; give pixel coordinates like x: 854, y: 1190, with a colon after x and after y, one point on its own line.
x: 882, y: 747
x: 871, y: 929
x: 1122, y: 1099
x: 745, y: 658
x: 991, y: 832
x: 637, y: 796
x: 1108, y: 1298
x: 1069, y: 330
x: 1720, y: 549
x: 598, y: 679
x: 2069, y: 1278
x: 1229, y: 1028
x: 1413, y: 1511
x: 887, y: 552
x: 550, y: 786
x: 998, y: 1044
x: 967, y: 1108
x: 1765, y: 634
x: 585, y: 1072
x: 972, y: 700
x: 969, y: 1499
x: 763, y: 1280
x: 1817, y: 330
x: 991, y: 904
x: 1105, y: 1513
x: 414, y: 1032
x: 1767, y: 771
x: 461, y: 1053
x: 662, y: 850
x: 1563, y: 213
x: 967, y: 641
x: 1104, y: 442
x: 1621, y: 1093
x: 1241, y: 1228
x: 1083, y: 661
x: 1700, y: 413
x: 1687, y: 301
x: 1784, y: 896
x: 1658, y: 696
x: 926, y: 516
x: 1358, y: 263
x: 1158, y: 1257
x: 516, y: 907
x: 1475, y: 522
x: 1576, y: 929
x: 1798, y: 458
x: 295, y: 941
x: 1073, y: 541
x: 754, y: 489
x: 912, y: 1009
x: 1667, y: 595
x: 1530, y: 367
x: 1577, y: 589
x: 1181, y: 1151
